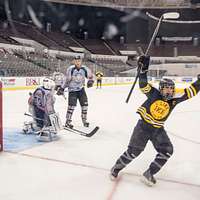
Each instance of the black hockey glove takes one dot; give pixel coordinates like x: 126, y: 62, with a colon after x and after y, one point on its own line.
x: 198, y: 76
x: 143, y: 63
x: 60, y: 91
x: 90, y: 83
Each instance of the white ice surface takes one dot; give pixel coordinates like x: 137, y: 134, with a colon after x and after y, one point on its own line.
x: 77, y: 168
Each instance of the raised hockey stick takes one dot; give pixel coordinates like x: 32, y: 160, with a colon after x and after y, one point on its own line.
x: 169, y: 15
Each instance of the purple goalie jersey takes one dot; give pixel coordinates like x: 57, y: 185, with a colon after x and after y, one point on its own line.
x: 44, y: 100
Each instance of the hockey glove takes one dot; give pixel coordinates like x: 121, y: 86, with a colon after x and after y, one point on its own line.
x: 90, y: 83
x: 198, y: 76
x: 143, y: 63
x: 60, y: 91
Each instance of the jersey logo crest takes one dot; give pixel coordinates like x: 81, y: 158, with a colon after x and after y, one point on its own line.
x: 159, y: 109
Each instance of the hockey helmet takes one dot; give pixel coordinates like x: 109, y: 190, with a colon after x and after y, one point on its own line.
x: 48, y: 84
x: 77, y: 57
x: 167, y: 83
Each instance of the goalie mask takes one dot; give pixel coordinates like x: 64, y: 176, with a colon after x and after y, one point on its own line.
x: 167, y: 88
x: 48, y: 84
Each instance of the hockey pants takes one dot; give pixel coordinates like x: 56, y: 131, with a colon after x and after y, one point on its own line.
x: 142, y: 133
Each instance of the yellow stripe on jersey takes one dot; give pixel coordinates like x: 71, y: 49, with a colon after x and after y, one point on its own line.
x: 188, y: 93
x: 146, y: 89
x: 191, y: 91
x: 194, y: 90
x: 149, y: 119
x: 143, y: 109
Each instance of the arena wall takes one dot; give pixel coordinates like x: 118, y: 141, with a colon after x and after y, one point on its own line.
x: 27, y: 83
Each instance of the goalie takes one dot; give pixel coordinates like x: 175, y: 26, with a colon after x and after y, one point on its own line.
x: 41, y: 104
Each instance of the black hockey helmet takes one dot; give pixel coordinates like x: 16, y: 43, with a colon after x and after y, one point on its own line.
x: 77, y: 57
x: 167, y: 83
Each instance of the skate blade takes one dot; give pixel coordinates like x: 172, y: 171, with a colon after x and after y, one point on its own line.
x: 112, y: 178
x: 146, y: 182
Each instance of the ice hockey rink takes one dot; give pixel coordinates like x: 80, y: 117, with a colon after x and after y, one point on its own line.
x: 77, y: 168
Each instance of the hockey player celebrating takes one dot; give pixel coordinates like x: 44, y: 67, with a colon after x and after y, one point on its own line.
x: 42, y: 102
x: 153, y: 112
x: 75, y: 81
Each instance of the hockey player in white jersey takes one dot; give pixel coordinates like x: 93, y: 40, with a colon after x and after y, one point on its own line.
x: 75, y: 82
x: 42, y: 101
x: 58, y: 78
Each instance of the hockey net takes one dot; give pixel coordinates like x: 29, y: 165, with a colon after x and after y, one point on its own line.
x: 1, y: 118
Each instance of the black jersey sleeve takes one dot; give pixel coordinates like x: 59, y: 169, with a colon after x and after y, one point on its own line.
x: 145, y: 87
x: 190, y: 92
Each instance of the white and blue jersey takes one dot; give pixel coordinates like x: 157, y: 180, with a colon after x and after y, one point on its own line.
x: 58, y: 78
x: 75, y: 77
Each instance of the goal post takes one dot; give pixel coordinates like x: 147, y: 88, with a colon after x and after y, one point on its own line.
x: 1, y: 118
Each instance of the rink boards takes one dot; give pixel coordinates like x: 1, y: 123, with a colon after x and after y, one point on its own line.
x: 24, y: 83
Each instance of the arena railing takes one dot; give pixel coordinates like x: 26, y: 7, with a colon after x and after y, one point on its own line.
x: 131, y: 3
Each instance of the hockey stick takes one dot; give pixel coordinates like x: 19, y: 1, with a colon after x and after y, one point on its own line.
x: 170, y: 15
x: 73, y: 130
x: 79, y: 132
x: 33, y: 117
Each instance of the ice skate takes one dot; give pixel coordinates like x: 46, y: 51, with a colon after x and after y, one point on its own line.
x: 68, y: 124
x: 148, y: 178
x: 86, y: 124
x: 114, y: 173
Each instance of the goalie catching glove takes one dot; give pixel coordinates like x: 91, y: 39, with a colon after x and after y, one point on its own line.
x: 60, y: 91
x: 90, y: 83
x: 143, y: 63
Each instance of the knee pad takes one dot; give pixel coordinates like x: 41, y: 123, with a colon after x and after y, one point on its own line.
x: 84, y: 109
x: 134, y: 151
x: 167, y: 151
x: 70, y: 108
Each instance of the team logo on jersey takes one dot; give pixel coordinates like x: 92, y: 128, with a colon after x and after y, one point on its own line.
x: 78, y: 78
x: 159, y: 109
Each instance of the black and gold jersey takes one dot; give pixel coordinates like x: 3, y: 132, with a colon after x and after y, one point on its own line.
x: 99, y: 75
x: 155, y: 110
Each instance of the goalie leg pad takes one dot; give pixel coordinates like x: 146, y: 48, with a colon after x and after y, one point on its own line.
x: 55, y: 122
x: 47, y: 135
x: 30, y: 128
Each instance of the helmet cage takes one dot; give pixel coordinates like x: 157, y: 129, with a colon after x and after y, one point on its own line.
x: 48, y: 84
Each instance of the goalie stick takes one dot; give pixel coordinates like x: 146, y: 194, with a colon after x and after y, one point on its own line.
x: 27, y: 114
x: 79, y: 132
